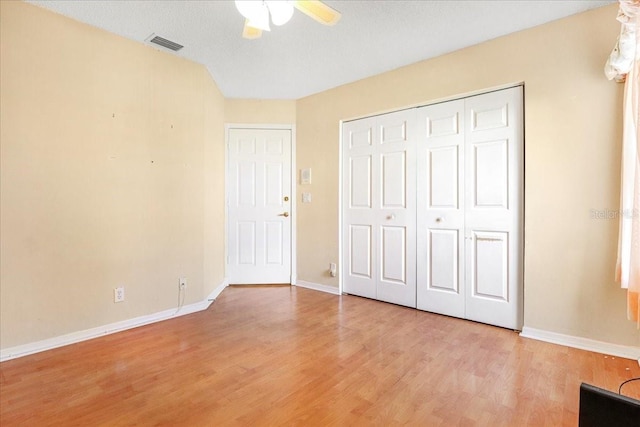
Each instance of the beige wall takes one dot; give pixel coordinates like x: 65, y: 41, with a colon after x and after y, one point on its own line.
x: 112, y: 160
x: 213, y: 170
x: 83, y: 209
x: 572, y: 163
x: 260, y: 111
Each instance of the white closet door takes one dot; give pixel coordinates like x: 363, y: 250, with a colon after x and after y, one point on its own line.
x: 494, y: 207
x: 396, y: 201
x: 379, y: 208
x: 359, y: 239
x: 440, y: 199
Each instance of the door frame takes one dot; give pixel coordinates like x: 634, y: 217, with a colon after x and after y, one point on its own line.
x: 294, y: 181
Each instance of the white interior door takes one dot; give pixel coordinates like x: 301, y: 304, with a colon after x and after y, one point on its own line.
x: 258, y: 207
x: 494, y: 207
x: 379, y: 208
x: 440, y: 219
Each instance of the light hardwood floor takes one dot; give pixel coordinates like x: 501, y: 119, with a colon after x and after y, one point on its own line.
x: 291, y: 356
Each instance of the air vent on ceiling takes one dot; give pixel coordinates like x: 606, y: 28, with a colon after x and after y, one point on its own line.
x: 167, y: 44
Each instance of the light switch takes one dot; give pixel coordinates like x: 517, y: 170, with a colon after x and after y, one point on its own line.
x: 305, y: 176
x: 306, y: 197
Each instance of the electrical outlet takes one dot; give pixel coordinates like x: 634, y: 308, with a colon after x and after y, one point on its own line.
x: 333, y: 269
x: 118, y: 294
x: 183, y: 283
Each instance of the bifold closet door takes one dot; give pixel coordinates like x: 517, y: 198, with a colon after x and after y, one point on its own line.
x: 470, y: 208
x: 494, y: 202
x: 440, y: 201
x: 379, y: 208
x: 443, y: 234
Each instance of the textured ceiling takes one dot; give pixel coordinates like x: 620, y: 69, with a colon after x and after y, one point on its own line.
x: 304, y: 57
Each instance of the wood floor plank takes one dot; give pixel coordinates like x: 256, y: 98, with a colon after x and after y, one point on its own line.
x: 293, y: 356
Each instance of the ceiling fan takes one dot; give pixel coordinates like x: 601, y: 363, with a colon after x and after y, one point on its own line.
x: 258, y: 12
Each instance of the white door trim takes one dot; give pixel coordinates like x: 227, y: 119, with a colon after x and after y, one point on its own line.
x: 340, y: 208
x: 292, y: 128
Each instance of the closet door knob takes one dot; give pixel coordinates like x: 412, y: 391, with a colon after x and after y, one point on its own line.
x: 392, y: 216
x: 439, y: 219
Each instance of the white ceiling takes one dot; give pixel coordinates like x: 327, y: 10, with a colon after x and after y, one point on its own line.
x: 304, y: 57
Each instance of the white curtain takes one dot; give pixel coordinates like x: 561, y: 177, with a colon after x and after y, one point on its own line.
x: 624, y: 65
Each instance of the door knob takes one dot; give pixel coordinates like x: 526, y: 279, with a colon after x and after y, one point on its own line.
x: 286, y: 214
x: 438, y: 219
x: 392, y: 216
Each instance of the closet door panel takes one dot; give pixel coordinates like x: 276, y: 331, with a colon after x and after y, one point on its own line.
x: 359, y: 237
x: 396, y: 216
x: 489, y: 272
x: 444, y: 169
x: 440, y: 208
x: 443, y: 263
x: 491, y: 175
x: 494, y: 208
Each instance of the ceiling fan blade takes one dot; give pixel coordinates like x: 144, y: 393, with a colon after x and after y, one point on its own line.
x: 251, y: 32
x: 319, y: 11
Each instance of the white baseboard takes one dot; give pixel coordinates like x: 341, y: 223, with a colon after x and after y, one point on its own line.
x: 217, y: 291
x: 624, y: 351
x: 75, y: 337
x: 317, y: 287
